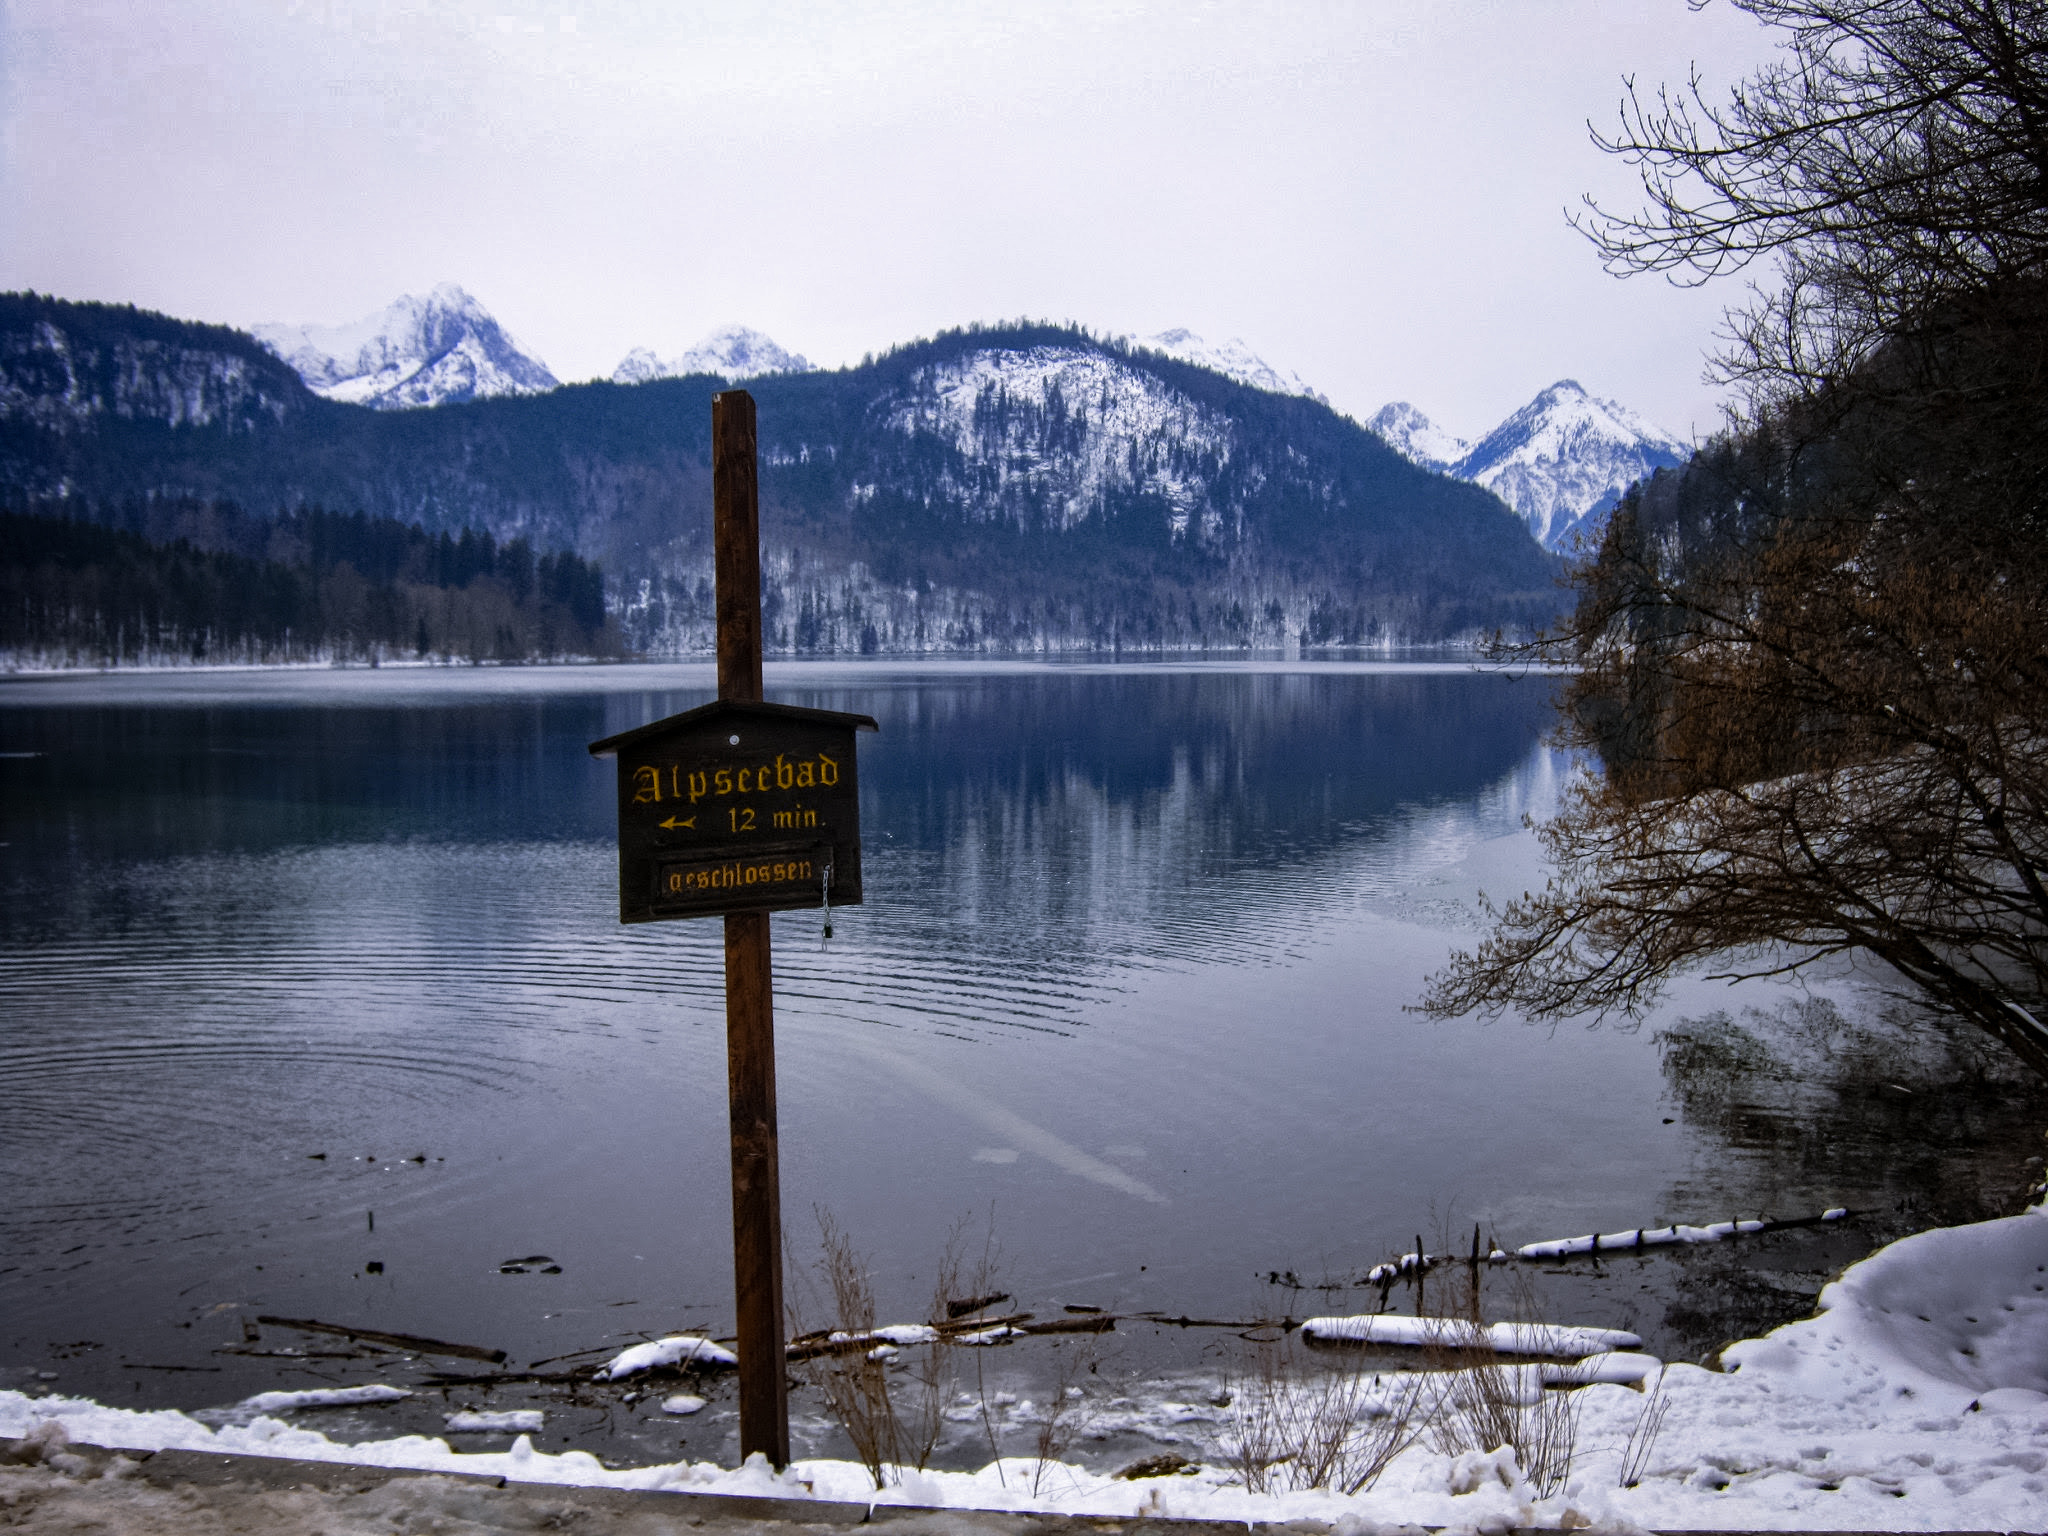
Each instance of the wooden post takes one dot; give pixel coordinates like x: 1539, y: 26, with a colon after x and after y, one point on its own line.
x: 736, y: 544
x: 749, y: 979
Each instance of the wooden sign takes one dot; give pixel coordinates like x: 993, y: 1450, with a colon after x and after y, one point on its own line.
x: 742, y: 808
x: 738, y: 806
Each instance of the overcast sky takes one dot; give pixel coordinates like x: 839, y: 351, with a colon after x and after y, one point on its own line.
x: 1372, y: 194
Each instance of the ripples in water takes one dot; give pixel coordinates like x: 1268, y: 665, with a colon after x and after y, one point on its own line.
x: 1133, y: 970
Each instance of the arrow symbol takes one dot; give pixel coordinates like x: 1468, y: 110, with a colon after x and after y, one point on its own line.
x: 675, y: 822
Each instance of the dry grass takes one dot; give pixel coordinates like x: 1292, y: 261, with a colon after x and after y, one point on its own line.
x: 1066, y: 1415
x: 971, y: 1290
x: 1642, y: 1435
x: 1297, y: 1424
x: 855, y: 1385
x: 891, y: 1401
x: 1482, y: 1403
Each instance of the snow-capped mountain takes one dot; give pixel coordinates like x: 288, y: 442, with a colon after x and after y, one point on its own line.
x: 1418, y: 438
x: 1061, y: 430
x: 1561, y: 461
x: 1232, y: 358
x: 432, y: 351
x: 1020, y: 488
x: 731, y: 352
x: 1564, y: 459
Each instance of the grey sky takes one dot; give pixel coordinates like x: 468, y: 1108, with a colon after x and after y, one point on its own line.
x: 1371, y: 194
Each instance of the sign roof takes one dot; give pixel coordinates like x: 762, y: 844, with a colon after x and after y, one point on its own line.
x: 719, y: 709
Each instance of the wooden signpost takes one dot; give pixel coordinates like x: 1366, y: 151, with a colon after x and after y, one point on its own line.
x: 738, y: 809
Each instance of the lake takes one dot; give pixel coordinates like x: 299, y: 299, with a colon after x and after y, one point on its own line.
x: 314, y: 1003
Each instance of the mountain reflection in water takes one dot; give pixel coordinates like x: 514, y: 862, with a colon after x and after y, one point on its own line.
x: 1132, y: 975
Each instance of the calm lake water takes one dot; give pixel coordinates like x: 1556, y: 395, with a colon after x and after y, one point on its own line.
x: 302, y: 974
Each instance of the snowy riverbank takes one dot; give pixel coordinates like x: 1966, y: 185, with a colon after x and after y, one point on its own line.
x: 1916, y: 1399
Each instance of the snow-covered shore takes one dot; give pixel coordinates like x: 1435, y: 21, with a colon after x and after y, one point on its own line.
x: 1916, y: 1399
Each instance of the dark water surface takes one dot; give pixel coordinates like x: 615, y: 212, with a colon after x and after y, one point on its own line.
x: 305, y: 973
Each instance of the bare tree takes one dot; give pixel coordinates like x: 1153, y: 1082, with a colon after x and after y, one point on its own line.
x: 1893, y: 160
x: 1815, y: 664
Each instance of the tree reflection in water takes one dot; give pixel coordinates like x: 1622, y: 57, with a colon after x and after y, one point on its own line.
x: 1911, y: 1121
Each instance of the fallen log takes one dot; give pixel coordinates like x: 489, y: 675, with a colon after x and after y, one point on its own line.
x: 836, y: 1341
x: 950, y: 1329
x: 967, y: 1305
x: 1100, y: 1322
x: 1594, y: 1244
x: 404, y: 1341
x: 1409, y: 1263
x: 501, y: 1378
x: 1556, y: 1341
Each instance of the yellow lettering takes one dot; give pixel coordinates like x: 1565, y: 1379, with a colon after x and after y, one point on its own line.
x: 828, y: 770
x: 810, y: 818
x: 785, y: 773
x: 743, y: 782
x: 646, y: 786
x: 750, y: 876
x: 803, y: 776
x: 698, y: 788
x: 722, y: 780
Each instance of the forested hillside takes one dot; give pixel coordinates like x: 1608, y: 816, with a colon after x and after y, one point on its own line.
x: 1026, y: 488
x: 310, y: 586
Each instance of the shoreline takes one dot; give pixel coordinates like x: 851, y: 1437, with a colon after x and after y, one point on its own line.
x: 1916, y: 1398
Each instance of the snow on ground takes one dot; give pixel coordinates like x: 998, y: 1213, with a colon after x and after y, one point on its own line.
x: 1917, y: 1399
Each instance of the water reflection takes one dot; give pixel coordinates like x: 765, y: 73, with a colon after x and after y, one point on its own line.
x: 1133, y: 969
x: 1916, y: 1116
x: 231, y: 927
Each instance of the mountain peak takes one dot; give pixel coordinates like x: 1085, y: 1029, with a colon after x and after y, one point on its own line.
x: 1564, y: 459
x: 1233, y: 359
x: 414, y: 352
x: 1418, y: 439
x: 1561, y: 461
x: 731, y: 352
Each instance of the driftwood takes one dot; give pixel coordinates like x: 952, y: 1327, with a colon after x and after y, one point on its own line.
x: 1593, y: 1244
x: 966, y: 1304
x: 832, y: 1341
x: 500, y: 1378
x: 574, y: 1354
x: 296, y: 1354
x: 1098, y: 1322
x: 404, y: 1341
x: 817, y: 1349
